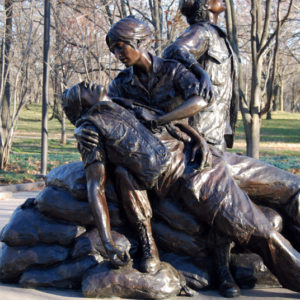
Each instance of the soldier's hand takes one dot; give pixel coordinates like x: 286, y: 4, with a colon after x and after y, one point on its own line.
x: 201, y: 149
x: 117, y: 257
x: 88, y: 139
x: 206, y: 88
x: 153, y: 126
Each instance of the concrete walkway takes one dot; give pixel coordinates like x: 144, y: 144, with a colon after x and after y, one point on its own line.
x: 11, y: 200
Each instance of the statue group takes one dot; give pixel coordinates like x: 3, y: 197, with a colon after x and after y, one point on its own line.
x: 158, y: 138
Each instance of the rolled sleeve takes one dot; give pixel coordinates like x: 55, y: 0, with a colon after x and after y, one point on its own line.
x: 113, y: 89
x: 97, y: 154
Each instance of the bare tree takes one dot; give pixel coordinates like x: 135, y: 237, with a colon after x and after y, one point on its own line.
x: 16, y: 63
x: 261, y: 40
x: 231, y: 25
x: 264, y: 41
x: 5, y: 83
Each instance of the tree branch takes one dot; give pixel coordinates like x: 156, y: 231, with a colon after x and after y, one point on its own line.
x: 273, y: 35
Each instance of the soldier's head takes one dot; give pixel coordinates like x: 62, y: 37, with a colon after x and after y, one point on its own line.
x: 201, y: 10
x: 128, y: 38
x: 78, y: 99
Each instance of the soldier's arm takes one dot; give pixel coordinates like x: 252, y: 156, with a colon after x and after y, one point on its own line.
x: 189, y: 108
x: 200, y: 146
x: 94, y: 160
x: 188, y: 49
x: 96, y: 177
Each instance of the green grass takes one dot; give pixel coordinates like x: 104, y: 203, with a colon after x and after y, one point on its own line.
x: 25, y: 157
x: 24, y: 165
x: 30, y: 122
x: 284, y: 127
x: 288, y: 163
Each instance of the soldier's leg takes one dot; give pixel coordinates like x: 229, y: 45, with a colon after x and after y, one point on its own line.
x: 216, y: 198
x: 139, y: 212
x: 266, y: 184
x: 202, y: 192
x: 245, y: 223
x: 221, y: 246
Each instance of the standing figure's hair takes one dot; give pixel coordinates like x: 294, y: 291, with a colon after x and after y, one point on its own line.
x: 194, y: 10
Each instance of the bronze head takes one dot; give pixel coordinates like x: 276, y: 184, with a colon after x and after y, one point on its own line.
x: 131, y: 31
x: 78, y: 99
x: 201, y: 10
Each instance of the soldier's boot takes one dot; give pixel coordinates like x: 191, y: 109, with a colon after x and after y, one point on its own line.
x: 281, y: 259
x: 226, y: 284
x: 150, y: 261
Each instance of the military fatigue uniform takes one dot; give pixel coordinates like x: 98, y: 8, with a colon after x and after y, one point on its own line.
x: 206, y: 44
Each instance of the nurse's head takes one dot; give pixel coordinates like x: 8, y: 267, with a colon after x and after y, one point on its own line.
x: 128, y: 39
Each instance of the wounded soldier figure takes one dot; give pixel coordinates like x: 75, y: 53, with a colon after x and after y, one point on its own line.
x: 173, y: 157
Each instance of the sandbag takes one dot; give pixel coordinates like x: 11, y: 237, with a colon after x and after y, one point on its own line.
x: 127, y: 282
x: 117, y: 215
x: 70, y: 177
x: 15, y: 260
x: 249, y: 271
x: 176, y: 217
x: 196, y: 271
x: 60, y: 204
x: 66, y: 275
x: 28, y: 227
x: 178, y: 242
x: 90, y: 243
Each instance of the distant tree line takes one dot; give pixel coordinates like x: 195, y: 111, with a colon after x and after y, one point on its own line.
x: 264, y: 33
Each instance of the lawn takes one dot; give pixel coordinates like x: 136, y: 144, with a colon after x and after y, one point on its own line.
x: 280, y: 140
x: 24, y: 165
x: 25, y: 156
x: 284, y: 127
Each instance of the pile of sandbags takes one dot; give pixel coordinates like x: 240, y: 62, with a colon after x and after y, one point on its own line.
x: 51, y: 241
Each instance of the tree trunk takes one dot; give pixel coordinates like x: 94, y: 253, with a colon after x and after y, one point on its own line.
x: 255, y: 136
x: 57, y: 108
x: 5, y: 96
x: 232, y: 35
x: 123, y: 9
x: 261, y: 40
x: 281, y: 97
x: 63, y: 139
x: 255, y: 124
x: 156, y: 14
x: 44, y: 148
x: 255, y: 106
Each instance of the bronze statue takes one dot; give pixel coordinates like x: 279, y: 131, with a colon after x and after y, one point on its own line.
x: 160, y: 84
x: 210, y: 193
x: 76, y: 102
x: 128, y: 83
